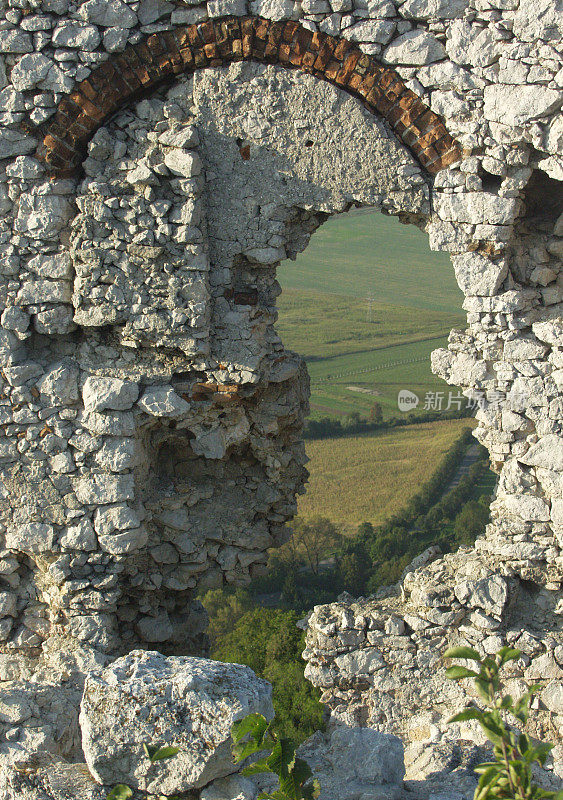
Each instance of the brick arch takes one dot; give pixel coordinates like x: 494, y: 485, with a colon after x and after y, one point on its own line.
x: 162, y: 56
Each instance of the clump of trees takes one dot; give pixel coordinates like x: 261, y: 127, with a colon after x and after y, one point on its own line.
x: 270, y: 643
x: 354, y: 423
x: 317, y: 565
x: 318, y: 562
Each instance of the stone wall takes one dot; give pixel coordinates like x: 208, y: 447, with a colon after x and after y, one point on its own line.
x: 150, y: 415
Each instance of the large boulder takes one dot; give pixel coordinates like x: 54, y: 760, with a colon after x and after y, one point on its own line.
x: 356, y: 762
x: 189, y: 703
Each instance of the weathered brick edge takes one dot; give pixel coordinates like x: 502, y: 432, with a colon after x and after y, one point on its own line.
x: 219, y: 41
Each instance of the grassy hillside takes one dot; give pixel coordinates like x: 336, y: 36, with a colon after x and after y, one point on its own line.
x: 322, y: 326
x: 365, y: 252
x: 359, y: 350
x: 368, y: 478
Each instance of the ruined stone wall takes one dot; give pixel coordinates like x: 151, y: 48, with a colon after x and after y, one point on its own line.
x: 150, y: 415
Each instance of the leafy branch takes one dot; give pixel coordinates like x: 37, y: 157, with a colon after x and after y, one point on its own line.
x: 253, y: 735
x: 509, y: 777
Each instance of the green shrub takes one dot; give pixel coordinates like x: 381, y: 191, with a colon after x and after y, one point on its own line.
x: 509, y: 777
x: 253, y: 735
x: 270, y: 643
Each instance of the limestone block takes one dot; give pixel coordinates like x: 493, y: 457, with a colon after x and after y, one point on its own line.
x: 119, y: 517
x: 433, y: 9
x: 42, y: 215
x: 182, y: 163
x: 189, y: 703
x: 379, y: 31
x: 476, y: 207
x: 112, y: 393
x: 108, y: 13
x: 33, y: 292
x: 59, y: 386
x: 355, y: 762
x: 518, y: 105
x: 151, y: 10
x: 156, y: 628
x: 273, y: 9
x: 234, y: 787
x: 8, y: 601
x: 523, y: 348
x: 80, y: 536
x: 118, y: 455
x: 54, y: 267
x: 550, y: 331
x: 14, y: 319
x: 477, y: 275
x: 15, y: 41
x: 224, y: 8
x: 42, y: 776
x: 162, y: 401
x: 546, y: 453
x: 30, y: 70
x: 490, y: 594
x: 128, y: 541
x: 414, y: 47
x: 552, y: 697
x: 527, y: 506
x: 100, y: 488
x: 360, y: 662
x: 538, y: 19
x: 76, y: 34
x: 25, y: 168
x: 185, y: 136
x: 33, y: 537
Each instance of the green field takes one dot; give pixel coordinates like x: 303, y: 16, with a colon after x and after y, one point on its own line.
x: 368, y: 478
x: 359, y: 350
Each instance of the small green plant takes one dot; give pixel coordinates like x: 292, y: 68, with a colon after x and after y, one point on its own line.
x: 120, y: 792
x: 153, y: 753
x: 254, y: 735
x: 509, y: 777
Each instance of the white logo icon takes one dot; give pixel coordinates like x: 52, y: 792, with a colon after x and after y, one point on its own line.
x: 407, y: 400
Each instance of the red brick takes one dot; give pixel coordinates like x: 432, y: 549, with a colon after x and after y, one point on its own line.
x: 446, y: 143
x: 374, y: 95
x: 451, y: 157
x: 87, y: 107
x: 347, y: 68
x: 383, y: 105
x: 308, y: 61
x: 86, y: 88
x: 355, y: 81
x: 432, y: 136
x: 128, y: 75
x: 394, y: 91
x: 275, y: 35
x: 173, y: 51
x: 409, y: 136
x: 247, y: 31
x: 342, y: 48
x: 289, y: 31
x: 206, y: 31
x: 325, y: 54
x: 284, y: 53
x: 193, y: 36
x: 411, y: 115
